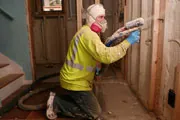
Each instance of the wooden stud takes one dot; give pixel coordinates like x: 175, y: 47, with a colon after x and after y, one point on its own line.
x: 129, y: 17
x: 145, y: 55
x: 135, y: 50
x: 160, y: 57
x: 97, y: 1
x: 79, y: 13
x: 66, y: 27
x: 176, y: 112
x: 30, y: 36
x: 154, y: 53
x: 126, y: 57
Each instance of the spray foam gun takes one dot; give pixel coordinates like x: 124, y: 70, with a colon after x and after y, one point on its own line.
x: 123, y: 32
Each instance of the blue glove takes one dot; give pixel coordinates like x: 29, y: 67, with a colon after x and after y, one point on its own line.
x: 97, y: 71
x: 134, y: 37
x: 110, y: 42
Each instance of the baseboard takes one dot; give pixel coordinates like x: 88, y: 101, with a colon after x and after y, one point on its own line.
x: 27, y: 82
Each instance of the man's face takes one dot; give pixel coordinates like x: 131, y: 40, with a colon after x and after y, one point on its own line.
x: 100, y: 18
x: 102, y: 22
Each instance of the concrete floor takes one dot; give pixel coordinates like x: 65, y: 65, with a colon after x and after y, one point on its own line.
x: 115, y: 97
x: 119, y: 103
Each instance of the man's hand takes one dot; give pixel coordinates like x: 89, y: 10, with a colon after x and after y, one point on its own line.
x: 134, y: 37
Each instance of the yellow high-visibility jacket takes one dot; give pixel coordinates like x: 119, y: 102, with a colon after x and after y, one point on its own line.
x: 85, y: 49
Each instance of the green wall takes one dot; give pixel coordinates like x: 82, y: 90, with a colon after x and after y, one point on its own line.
x: 14, y: 35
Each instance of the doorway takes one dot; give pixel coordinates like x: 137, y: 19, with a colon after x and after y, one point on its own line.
x: 52, y: 31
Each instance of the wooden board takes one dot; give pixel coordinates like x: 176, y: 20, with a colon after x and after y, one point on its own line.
x: 87, y: 3
x: 155, y: 39
x: 54, y: 39
x: 8, y: 79
x: 145, y: 52
x: 135, y: 49
x: 129, y: 17
x: 176, y: 112
x: 97, y: 1
x: 40, y: 54
x: 158, y: 98
x: 50, y: 40
x: 30, y: 37
x: 79, y: 13
x: 108, y: 5
x: 171, y: 56
x: 125, y: 59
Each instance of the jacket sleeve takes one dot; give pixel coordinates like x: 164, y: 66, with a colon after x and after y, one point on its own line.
x: 93, y: 45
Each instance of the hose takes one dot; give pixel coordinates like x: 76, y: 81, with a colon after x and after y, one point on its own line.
x: 12, y: 103
x: 30, y: 94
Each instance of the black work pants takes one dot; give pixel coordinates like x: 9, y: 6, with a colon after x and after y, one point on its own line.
x: 78, y: 104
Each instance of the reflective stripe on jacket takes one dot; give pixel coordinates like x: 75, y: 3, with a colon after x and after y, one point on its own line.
x: 85, y: 49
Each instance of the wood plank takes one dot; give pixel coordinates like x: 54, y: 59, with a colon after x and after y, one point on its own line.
x: 154, y: 53
x: 158, y: 98
x: 171, y: 56
x: 30, y: 37
x: 8, y: 79
x: 15, y: 93
x: 125, y: 59
x: 79, y: 13
x: 97, y: 1
x: 38, y: 36
x: 86, y: 4
x: 145, y: 52
x: 176, y: 112
x: 135, y: 50
x: 129, y: 17
x: 55, y: 42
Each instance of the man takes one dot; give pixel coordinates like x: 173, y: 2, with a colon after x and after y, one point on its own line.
x: 77, y: 73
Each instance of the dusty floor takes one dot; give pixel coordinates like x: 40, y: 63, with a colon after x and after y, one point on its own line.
x: 118, y: 101
x: 115, y: 97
